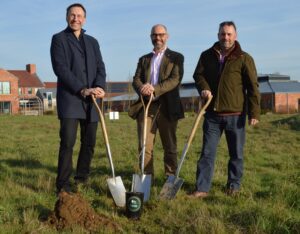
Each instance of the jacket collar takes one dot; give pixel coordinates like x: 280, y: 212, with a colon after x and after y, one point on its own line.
x: 72, y: 38
x: 235, y: 53
x: 163, y: 65
x: 69, y: 30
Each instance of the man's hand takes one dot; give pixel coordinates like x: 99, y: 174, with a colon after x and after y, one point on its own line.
x: 97, y: 92
x: 147, y: 89
x: 205, y: 94
x: 253, y: 122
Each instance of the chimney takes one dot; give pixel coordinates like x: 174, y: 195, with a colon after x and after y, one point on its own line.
x: 31, y: 68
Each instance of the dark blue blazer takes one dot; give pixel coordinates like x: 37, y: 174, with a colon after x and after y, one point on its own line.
x: 75, y: 73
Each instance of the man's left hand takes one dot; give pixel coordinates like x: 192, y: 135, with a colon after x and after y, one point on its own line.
x: 98, y: 92
x: 253, y: 122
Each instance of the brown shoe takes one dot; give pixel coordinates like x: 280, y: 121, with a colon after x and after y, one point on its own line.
x: 232, y: 192
x: 198, y: 194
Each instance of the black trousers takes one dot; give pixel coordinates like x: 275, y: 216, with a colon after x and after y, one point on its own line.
x: 68, y: 133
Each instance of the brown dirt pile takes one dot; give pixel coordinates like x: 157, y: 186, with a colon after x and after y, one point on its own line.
x: 72, y: 209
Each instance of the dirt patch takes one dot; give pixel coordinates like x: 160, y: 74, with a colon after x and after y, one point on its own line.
x: 72, y: 209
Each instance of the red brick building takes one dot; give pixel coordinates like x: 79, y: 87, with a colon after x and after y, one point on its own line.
x: 9, y: 98
x: 18, y: 90
x: 279, y: 94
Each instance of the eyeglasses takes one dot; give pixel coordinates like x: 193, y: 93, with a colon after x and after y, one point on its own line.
x: 158, y: 34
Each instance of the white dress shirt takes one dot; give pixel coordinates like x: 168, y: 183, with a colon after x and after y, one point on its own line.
x: 155, y: 65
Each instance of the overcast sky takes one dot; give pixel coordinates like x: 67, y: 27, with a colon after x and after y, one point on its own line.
x: 268, y: 30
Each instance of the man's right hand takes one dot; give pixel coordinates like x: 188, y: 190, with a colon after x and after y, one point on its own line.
x: 147, y: 89
x: 205, y: 94
x: 97, y: 92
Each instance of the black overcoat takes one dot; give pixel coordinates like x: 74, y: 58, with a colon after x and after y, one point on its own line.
x: 74, y: 73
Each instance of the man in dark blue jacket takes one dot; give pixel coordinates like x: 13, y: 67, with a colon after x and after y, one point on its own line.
x: 78, y: 65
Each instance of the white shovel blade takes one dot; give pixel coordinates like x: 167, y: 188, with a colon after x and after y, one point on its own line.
x: 142, y: 184
x: 117, y: 190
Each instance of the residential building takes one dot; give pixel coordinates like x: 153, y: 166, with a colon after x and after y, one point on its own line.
x: 9, y: 98
x: 48, y: 97
x: 18, y: 91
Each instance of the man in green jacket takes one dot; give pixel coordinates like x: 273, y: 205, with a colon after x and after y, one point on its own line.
x: 229, y: 74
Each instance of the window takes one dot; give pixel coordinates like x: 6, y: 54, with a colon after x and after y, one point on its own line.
x: 4, y: 88
x: 49, y: 97
x: 4, y: 107
x: 29, y: 90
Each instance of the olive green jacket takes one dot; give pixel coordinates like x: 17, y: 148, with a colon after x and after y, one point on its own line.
x: 167, y: 89
x: 234, y: 86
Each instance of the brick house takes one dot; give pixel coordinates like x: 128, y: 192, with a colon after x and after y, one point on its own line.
x: 18, y: 90
x: 29, y: 82
x: 9, y: 98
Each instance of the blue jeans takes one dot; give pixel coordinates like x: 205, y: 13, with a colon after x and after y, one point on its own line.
x: 213, y: 127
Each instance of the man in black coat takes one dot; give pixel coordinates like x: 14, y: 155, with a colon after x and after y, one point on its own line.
x: 78, y: 65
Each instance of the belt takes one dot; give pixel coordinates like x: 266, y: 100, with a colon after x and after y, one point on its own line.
x: 227, y: 113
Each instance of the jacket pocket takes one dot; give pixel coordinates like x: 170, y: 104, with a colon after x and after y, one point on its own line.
x: 135, y: 109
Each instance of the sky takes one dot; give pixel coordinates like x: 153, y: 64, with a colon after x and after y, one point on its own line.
x: 268, y: 30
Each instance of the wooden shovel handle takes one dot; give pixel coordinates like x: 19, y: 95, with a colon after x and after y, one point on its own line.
x: 191, y: 136
x: 104, y: 135
x: 145, y: 130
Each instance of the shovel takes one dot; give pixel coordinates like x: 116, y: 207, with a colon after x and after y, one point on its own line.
x: 142, y: 183
x: 174, y: 183
x: 115, y: 184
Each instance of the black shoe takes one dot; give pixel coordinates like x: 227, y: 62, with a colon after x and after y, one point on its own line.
x: 79, y: 180
x: 65, y: 189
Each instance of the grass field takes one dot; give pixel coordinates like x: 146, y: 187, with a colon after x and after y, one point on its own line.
x: 269, y: 201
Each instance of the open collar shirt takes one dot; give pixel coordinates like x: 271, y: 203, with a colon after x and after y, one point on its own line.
x: 155, y: 65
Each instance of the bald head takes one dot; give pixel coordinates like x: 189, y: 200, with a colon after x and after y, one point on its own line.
x: 159, y: 36
x: 159, y: 26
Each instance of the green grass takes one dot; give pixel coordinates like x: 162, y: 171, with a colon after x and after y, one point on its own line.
x: 269, y: 201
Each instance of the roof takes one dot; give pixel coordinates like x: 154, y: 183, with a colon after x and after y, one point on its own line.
x: 186, y: 93
x: 278, y: 77
x: 125, y: 97
x: 50, y: 85
x: 268, y: 83
x: 112, y: 87
x: 117, y: 87
x: 279, y: 87
x: 43, y: 92
x: 5, y: 74
x: 26, y: 79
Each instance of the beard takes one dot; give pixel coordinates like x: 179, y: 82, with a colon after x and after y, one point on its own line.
x: 158, y: 45
x: 226, y: 44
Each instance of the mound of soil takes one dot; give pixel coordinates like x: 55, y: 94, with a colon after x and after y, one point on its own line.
x: 72, y: 209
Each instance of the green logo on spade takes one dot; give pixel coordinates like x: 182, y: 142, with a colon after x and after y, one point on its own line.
x: 134, y: 203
